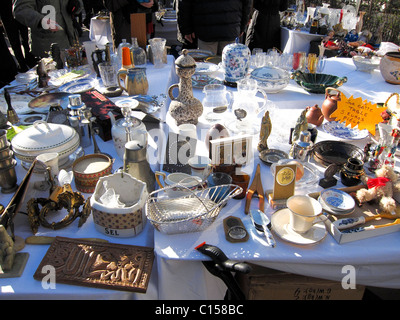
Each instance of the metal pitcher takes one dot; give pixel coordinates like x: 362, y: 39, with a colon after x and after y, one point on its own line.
x: 137, y: 165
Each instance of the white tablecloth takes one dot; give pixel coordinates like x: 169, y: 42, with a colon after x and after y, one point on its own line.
x: 296, y: 41
x: 100, y: 31
x: 375, y: 260
x: 25, y: 287
x: 178, y: 272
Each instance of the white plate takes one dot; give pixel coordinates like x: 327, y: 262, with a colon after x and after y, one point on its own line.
x: 339, y: 130
x: 18, y: 102
x: 280, y: 225
x: 77, y: 86
x: 337, y: 200
x: 126, y: 102
x: 206, y: 68
x: 199, y: 81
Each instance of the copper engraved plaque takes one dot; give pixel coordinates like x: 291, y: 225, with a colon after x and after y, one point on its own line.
x: 98, y: 264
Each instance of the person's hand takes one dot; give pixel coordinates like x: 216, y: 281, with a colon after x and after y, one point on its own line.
x: 190, y: 37
x: 147, y: 4
x: 50, y: 25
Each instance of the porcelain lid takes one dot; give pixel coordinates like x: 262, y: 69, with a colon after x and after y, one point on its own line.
x: 43, y: 136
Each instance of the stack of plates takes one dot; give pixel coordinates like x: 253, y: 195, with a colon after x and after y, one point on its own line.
x: 336, y: 202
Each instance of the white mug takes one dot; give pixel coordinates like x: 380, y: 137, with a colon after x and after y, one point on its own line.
x: 200, y: 166
x: 303, y: 211
x: 188, y: 130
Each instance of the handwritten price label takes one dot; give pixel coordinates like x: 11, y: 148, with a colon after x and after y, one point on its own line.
x: 358, y: 112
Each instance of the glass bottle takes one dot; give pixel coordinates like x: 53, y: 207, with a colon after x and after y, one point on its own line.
x: 123, y: 44
x: 138, y: 54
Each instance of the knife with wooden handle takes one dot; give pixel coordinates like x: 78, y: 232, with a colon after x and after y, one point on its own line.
x: 49, y: 240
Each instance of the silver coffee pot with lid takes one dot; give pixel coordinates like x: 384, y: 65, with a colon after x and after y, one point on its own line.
x: 137, y: 165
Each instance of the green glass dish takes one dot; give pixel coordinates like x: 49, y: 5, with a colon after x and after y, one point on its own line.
x: 317, y: 82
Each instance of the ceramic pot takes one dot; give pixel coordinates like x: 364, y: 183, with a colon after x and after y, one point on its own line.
x: 236, y: 62
x: 126, y: 220
x: 45, y: 137
x: 332, y: 96
x: 135, y: 81
x: 314, y: 115
x: 390, y: 67
x: 89, y: 169
x: 120, y: 135
x: 352, y: 172
x: 184, y: 108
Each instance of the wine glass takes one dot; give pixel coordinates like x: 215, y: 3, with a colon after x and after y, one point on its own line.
x: 126, y: 111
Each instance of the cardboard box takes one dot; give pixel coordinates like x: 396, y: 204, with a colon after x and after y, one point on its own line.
x: 268, y: 284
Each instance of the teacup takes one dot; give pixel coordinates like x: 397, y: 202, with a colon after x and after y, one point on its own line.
x: 186, y: 181
x: 303, y: 211
x: 200, y: 166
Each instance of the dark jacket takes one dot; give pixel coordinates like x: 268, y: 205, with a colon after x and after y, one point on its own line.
x: 264, y: 30
x: 29, y: 13
x: 213, y: 20
x: 120, y: 11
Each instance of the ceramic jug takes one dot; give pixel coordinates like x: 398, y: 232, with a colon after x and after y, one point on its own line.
x: 390, y: 67
x: 184, y: 108
x: 135, y: 81
x: 121, y: 133
x: 236, y: 62
x: 332, y: 96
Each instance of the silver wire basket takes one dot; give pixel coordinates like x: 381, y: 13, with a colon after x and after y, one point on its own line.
x: 192, y: 212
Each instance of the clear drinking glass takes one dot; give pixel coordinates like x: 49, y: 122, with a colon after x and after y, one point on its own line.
x: 157, y: 46
x: 108, y: 74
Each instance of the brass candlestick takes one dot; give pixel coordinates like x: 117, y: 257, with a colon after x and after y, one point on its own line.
x: 12, y: 116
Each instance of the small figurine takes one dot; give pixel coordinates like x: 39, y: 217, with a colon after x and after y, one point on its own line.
x: 265, y: 131
x: 7, y: 252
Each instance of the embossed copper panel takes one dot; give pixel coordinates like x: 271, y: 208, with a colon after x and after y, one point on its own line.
x: 102, y: 265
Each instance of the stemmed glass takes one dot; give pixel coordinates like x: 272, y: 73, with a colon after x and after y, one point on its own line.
x: 126, y: 111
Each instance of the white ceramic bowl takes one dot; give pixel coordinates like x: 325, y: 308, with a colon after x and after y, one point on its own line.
x: 270, y: 79
x: 43, y: 137
x: 365, y: 64
x: 125, y: 221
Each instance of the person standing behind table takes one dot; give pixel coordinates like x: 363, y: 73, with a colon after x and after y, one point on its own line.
x: 120, y: 17
x: 215, y: 23
x: 39, y: 16
x: 264, y: 30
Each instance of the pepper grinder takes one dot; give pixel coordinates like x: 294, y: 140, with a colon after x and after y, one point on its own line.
x: 12, y: 116
x: 302, y: 146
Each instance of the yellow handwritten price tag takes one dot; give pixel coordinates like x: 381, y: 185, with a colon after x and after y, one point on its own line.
x: 356, y: 111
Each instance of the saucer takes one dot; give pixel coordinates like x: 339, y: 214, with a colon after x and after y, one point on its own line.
x: 280, y: 225
x: 339, y: 130
x: 337, y: 200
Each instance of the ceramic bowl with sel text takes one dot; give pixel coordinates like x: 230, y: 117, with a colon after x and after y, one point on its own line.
x: 118, y: 205
x: 43, y: 137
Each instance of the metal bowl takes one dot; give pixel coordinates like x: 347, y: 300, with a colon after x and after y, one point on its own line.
x: 335, y: 152
x: 317, y: 82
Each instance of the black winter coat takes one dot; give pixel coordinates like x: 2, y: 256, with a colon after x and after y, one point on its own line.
x: 264, y: 30
x: 213, y: 20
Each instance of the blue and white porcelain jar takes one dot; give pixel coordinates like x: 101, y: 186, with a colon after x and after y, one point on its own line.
x: 236, y: 62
